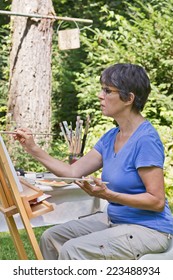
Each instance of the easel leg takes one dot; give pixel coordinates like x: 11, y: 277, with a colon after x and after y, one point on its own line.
x: 33, y: 240
x: 18, y: 242
x: 16, y: 238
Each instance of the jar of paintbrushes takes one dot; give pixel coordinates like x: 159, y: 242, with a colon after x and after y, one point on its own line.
x: 75, y: 138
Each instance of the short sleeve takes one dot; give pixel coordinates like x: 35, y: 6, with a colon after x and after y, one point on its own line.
x: 149, y: 152
x: 99, y: 146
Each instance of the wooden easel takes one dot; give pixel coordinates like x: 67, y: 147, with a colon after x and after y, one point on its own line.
x: 15, y: 197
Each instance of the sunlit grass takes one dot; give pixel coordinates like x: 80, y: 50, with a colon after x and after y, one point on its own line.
x: 7, y: 249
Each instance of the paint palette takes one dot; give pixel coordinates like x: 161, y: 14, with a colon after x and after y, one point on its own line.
x: 62, y: 181
x: 51, y: 182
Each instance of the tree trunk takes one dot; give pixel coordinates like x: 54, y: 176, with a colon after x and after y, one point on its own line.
x: 29, y: 102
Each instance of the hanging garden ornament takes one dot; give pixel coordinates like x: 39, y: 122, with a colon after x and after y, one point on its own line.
x: 68, y: 38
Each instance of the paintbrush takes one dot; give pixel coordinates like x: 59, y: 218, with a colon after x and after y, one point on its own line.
x: 80, y: 136
x: 85, y: 135
x: 76, y: 140
x: 33, y: 133
x: 64, y: 134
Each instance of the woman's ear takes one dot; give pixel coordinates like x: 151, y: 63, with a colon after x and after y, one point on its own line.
x: 131, y: 98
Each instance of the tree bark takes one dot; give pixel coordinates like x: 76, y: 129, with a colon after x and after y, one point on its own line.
x: 29, y: 103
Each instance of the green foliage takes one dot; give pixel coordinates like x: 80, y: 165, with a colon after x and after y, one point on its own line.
x: 166, y: 134
x: 4, y: 73
x: 5, y: 5
x: 144, y: 38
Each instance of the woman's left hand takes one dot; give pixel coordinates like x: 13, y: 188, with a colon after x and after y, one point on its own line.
x: 97, y: 188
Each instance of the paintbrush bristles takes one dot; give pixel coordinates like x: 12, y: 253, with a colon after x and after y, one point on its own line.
x: 75, y: 140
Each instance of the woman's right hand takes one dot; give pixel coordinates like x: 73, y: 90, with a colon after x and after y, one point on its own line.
x: 25, y: 137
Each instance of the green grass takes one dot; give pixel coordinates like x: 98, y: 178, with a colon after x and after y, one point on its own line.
x: 7, y: 249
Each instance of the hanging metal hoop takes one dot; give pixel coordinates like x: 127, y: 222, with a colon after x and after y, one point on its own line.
x: 68, y: 38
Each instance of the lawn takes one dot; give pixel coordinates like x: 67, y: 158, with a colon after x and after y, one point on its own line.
x: 7, y: 249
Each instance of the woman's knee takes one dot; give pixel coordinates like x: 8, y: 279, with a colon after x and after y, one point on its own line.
x: 68, y: 251
x: 46, y: 236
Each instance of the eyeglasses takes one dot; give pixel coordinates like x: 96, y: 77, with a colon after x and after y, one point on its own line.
x: 108, y: 91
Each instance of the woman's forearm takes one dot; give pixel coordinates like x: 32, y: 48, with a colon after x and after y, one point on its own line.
x: 57, y: 167
x: 144, y: 201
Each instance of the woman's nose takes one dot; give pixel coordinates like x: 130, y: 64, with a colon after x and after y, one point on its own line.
x: 101, y: 95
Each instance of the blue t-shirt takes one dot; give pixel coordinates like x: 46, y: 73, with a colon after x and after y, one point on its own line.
x: 143, y: 149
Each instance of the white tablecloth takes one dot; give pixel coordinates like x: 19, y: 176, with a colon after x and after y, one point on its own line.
x: 69, y: 203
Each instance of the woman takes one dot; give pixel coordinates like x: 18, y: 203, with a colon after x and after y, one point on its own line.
x: 138, y: 219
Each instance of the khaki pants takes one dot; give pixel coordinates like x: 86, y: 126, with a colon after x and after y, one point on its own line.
x: 95, y: 238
